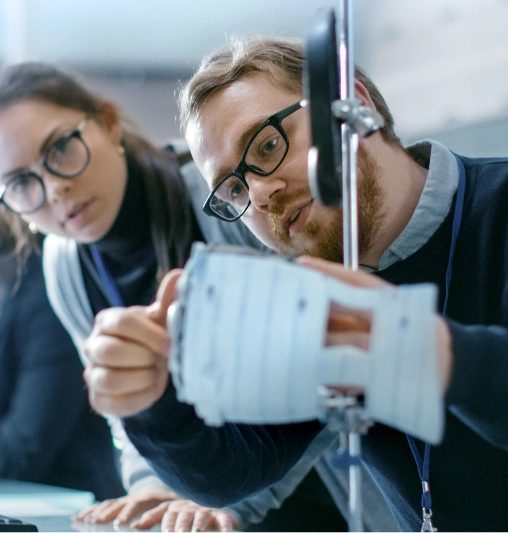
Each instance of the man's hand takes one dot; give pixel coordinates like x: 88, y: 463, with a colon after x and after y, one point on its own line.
x: 345, y: 325
x: 351, y: 326
x: 127, y: 353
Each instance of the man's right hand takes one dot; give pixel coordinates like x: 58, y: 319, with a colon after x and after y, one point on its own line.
x: 127, y: 352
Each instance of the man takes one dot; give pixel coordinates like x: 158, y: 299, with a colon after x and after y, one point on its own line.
x: 425, y: 216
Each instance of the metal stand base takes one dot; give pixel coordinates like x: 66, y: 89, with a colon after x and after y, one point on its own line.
x: 346, y: 415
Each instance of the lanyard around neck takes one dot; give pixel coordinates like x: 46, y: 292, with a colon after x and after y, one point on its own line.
x: 106, y: 278
x: 423, y: 464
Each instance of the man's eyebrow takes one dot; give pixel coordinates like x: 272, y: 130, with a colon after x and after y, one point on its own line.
x: 43, y: 147
x: 243, y: 140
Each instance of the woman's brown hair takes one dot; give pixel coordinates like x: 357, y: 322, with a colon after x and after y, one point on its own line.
x: 170, y: 210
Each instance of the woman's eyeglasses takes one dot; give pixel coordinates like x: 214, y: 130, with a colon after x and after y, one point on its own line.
x: 66, y: 158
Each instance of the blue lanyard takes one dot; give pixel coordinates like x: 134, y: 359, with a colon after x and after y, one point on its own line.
x: 423, y: 464
x: 110, y: 287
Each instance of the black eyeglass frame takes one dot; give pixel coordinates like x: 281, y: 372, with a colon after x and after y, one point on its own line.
x: 77, y: 133
x: 274, y: 120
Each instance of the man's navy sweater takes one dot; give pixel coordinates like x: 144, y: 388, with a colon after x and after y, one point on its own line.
x: 468, y: 470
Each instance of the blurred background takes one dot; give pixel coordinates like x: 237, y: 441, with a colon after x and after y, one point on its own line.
x: 441, y: 64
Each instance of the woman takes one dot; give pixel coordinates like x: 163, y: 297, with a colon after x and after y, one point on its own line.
x: 48, y: 433
x: 117, y: 211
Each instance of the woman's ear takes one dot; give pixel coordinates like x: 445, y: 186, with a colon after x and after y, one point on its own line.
x: 109, y: 118
x: 362, y: 94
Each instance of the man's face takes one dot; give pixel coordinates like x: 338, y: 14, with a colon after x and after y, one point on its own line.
x: 282, y: 214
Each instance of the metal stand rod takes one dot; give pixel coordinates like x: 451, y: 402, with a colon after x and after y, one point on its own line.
x: 349, y: 229
x: 349, y: 137
x: 349, y: 198
x: 343, y: 411
x: 355, y: 522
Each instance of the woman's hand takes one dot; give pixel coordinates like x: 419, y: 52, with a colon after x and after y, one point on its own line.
x: 127, y: 354
x: 147, y: 508
x: 123, y: 510
x: 185, y: 515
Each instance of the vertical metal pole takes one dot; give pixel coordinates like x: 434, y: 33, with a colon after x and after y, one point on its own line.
x: 355, y: 522
x: 350, y: 228
x: 349, y: 137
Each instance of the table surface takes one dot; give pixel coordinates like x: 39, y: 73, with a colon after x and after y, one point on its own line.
x: 49, y: 508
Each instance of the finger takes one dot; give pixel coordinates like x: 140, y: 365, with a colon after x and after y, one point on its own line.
x: 350, y: 390
x: 169, y: 520
x: 338, y: 323
x: 115, y: 320
x: 203, y: 520
x: 336, y: 270
x: 90, y: 513
x: 131, y: 336
x: 151, y: 517
x: 445, y: 360
x: 107, y: 513
x: 132, y: 509
x: 106, y: 350
x: 226, y: 521
x: 184, y: 521
x: 127, y: 405
x: 349, y: 338
x: 87, y: 511
x: 166, y: 293
x: 179, y: 504
x: 116, y: 382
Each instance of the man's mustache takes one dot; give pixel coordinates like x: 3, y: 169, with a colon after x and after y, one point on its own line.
x: 279, y: 204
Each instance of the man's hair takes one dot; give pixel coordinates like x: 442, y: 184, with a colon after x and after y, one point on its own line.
x: 281, y: 59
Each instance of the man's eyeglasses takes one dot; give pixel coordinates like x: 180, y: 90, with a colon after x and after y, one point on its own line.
x: 263, y: 155
x: 67, y: 157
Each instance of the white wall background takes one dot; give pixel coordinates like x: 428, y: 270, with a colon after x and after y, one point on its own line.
x: 441, y: 64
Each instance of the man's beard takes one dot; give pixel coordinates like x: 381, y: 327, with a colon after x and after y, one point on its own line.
x: 325, y: 240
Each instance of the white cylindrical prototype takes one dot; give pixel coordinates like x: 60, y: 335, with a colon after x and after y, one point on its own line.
x: 248, y: 343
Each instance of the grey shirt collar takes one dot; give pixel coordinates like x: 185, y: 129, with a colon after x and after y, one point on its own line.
x: 434, y: 204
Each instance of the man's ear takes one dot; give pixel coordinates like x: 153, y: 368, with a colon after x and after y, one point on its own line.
x: 362, y: 94
x: 109, y: 118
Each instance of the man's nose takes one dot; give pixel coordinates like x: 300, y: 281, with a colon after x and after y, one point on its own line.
x: 263, y: 190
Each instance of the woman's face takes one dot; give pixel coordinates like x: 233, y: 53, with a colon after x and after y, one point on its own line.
x: 84, y: 207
